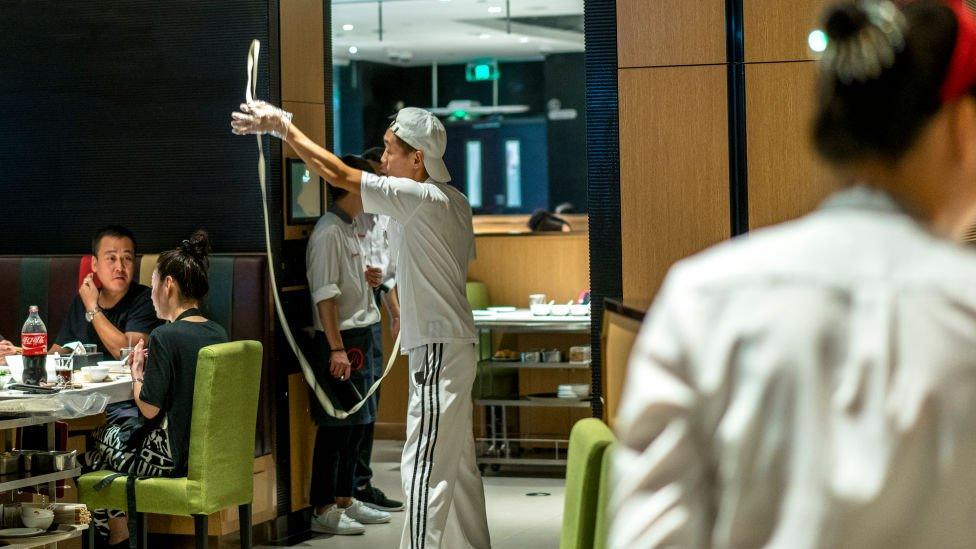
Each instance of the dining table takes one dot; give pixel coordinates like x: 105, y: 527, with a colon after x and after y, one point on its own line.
x: 117, y: 386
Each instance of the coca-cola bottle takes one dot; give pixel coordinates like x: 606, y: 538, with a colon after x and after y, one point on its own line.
x: 33, y: 339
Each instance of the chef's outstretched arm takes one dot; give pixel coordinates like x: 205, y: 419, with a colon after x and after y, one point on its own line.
x: 259, y: 117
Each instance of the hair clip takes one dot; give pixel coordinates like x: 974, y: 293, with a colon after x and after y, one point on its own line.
x: 867, y: 53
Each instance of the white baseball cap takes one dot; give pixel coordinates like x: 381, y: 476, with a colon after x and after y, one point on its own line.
x: 423, y: 131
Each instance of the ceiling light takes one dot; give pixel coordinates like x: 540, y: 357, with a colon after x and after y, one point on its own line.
x: 353, y: 50
x: 347, y: 27
x: 484, y: 36
x: 495, y: 9
x: 524, y: 40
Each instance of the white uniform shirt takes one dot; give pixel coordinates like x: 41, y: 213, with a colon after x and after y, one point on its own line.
x: 374, y: 241
x: 811, y: 385
x: 334, y: 267
x: 434, y: 242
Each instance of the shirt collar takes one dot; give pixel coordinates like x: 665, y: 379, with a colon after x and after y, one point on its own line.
x: 862, y: 197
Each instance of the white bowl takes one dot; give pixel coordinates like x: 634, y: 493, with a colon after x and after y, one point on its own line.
x: 95, y: 373
x: 582, y: 390
x: 37, y: 518
x: 541, y: 309
x: 560, y: 310
x: 579, y: 310
x: 112, y: 365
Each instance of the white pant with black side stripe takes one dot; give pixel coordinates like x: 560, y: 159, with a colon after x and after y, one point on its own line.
x: 445, y: 497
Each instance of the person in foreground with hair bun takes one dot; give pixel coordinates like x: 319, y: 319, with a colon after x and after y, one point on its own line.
x: 813, y: 385
x: 162, y: 381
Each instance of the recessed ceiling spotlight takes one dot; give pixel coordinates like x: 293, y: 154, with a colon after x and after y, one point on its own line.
x: 484, y: 36
x: 353, y: 50
x: 495, y: 9
x: 347, y: 27
x: 524, y: 40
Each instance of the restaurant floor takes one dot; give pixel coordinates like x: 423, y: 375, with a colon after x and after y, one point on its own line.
x: 516, y: 520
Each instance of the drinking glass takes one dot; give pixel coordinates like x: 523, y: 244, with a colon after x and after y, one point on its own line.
x: 62, y: 370
x: 124, y: 354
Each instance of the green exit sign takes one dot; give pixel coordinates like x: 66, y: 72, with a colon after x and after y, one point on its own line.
x: 482, y: 71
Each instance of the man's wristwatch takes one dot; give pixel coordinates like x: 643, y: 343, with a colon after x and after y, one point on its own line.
x: 90, y: 315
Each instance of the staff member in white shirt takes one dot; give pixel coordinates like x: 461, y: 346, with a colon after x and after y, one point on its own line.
x: 344, y: 313
x: 371, y: 230
x: 813, y: 385
x: 435, y: 242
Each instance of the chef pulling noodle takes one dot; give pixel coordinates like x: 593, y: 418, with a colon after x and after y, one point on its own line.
x: 323, y: 399
x: 434, y: 238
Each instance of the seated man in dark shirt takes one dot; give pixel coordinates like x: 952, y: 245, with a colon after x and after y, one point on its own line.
x: 121, y: 313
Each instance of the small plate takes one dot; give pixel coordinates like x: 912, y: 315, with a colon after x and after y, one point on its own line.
x: 20, y: 532
x: 502, y: 309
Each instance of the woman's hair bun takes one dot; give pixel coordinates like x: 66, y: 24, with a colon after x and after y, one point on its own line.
x: 864, y: 39
x: 197, y: 246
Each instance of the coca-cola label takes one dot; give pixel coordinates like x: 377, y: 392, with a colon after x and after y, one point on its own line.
x: 34, y: 344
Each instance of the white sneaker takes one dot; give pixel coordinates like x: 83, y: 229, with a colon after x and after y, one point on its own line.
x: 365, y: 514
x: 336, y: 521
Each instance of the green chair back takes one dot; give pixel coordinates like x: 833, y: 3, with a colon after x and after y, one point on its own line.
x: 225, y: 404
x: 587, y: 442
x: 602, y: 534
x: 478, y: 295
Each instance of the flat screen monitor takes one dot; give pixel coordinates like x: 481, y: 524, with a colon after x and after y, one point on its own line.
x: 305, y: 196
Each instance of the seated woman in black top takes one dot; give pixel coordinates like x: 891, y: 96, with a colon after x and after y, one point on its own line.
x: 157, y: 445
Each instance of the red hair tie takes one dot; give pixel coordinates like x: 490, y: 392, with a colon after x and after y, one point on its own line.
x: 961, y: 76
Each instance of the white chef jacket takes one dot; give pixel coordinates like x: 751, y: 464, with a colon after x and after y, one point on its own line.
x: 433, y: 242
x: 811, y: 385
x: 334, y: 268
x: 374, y: 241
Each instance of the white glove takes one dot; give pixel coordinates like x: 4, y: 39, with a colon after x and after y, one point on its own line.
x: 258, y: 117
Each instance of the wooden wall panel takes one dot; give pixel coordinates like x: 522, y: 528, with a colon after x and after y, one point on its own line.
x: 515, y: 266
x: 786, y: 180
x: 302, y: 51
x: 777, y: 30
x: 674, y: 169
x: 670, y: 32
x: 302, y: 440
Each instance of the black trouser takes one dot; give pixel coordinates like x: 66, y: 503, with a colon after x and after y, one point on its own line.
x: 364, y: 473
x: 334, y: 463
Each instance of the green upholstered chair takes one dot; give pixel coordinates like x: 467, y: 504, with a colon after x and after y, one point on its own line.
x: 587, y: 443
x: 221, y: 460
x: 477, y: 294
x: 602, y: 534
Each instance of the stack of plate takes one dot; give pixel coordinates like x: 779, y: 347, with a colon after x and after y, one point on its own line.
x: 566, y: 391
